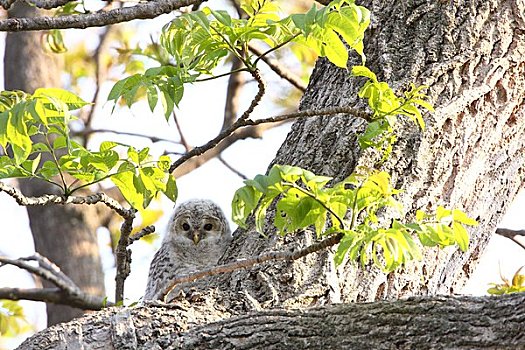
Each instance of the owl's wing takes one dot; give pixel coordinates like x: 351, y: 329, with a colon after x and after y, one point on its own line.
x: 161, y: 270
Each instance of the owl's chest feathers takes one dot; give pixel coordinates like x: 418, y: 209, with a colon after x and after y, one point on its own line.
x: 201, y: 255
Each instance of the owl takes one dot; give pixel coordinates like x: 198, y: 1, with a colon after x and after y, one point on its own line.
x: 197, y: 236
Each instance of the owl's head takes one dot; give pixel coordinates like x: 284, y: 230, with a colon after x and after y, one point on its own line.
x: 198, y: 220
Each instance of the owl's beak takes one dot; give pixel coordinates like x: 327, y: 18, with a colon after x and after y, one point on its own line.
x: 196, y: 237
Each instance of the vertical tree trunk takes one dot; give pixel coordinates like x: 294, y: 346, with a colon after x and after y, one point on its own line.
x: 471, y: 155
x: 66, y: 235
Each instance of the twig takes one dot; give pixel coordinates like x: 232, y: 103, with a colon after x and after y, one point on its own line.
x: 89, y: 131
x: 99, y: 77
x: 512, y: 234
x: 245, y: 263
x: 279, y: 69
x: 240, y: 123
x: 260, y: 93
x: 232, y: 169
x: 146, y: 10
x: 144, y: 232
x: 233, y: 94
x: 183, y: 141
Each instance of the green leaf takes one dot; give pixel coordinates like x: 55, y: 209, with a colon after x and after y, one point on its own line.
x: 72, y: 101
x: 343, y: 247
x: 171, y: 188
x: 461, y: 217
x: 461, y: 236
x: 131, y: 188
x: 362, y: 71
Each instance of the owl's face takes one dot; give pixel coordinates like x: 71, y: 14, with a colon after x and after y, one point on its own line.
x: 199, y: 221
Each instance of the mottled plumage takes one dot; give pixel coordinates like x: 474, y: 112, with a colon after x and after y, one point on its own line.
x: 197, y: 236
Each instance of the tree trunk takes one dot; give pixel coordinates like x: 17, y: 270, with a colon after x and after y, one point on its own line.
x: 65, y: 235
x: 471, y: 156
x: 416, y: 323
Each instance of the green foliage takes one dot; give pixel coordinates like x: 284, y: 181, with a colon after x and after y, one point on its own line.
x: 386, y: 106
x: 303, y: 200
x: 45, y: 115
x: 196, y: 43
x: 517, y: 285
x: 12, y: 319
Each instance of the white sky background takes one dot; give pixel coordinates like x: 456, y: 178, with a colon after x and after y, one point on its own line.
x: 200, y: 116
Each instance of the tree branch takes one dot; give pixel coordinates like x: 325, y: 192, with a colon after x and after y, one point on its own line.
x: 123, y: 254
x: 66, y: 293
x: 512, y: 234
x: 289, y: 255
x: 88, y: 131
x: 144, y: 232
x: 279, y: 69
x: 55, y: 199
x: 147, y: 10
x: 241, y: 123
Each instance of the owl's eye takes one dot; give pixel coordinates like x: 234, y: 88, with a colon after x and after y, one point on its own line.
x: 185, y: 226
x: 208, y: 227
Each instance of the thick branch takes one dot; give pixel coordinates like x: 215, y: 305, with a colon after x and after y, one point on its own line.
x: 415, y: 323
x: 145, y: 10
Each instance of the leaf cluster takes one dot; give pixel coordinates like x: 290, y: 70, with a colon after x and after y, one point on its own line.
x: 351, y: 208
x: 196, y: 43
x: 516, y: 285
x: 35, y: 136
x: 386, y: 106
x: 12, y: 319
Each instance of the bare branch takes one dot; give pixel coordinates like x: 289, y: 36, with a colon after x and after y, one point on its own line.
x: 66, y: 293
x: 183, y: 141
x: 41, y: 271
x: 55, y: 199
x: 241, y: 123
x: 100, y: 75
x: 280, y: 70
x: 233, y: 94
x: 144, y: 232
x: 56, y: 296
x: 231, y: 168
x: 146, y: 10
x: 512, y: 234
x: 289, y: 255
x: 89, y: 131
x: 123, y: 254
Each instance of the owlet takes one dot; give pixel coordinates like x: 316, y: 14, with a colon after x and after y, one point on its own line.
x: 197, y: 236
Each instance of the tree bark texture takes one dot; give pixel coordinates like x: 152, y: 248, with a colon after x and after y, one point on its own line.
x: 471, y: 156
x: 416, y: 323
x: 65, y: 235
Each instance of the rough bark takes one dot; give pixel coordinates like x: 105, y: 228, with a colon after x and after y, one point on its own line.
x: 65, y: 235
x: 472, y: 56
x: 416, y: 323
